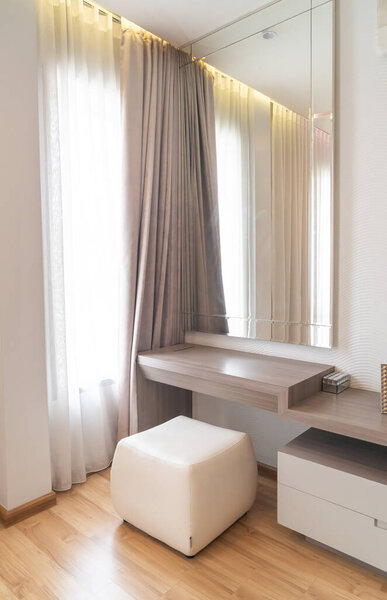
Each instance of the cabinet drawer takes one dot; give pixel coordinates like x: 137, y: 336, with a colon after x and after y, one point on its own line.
x: 335, y: 485
x: 355, y: 534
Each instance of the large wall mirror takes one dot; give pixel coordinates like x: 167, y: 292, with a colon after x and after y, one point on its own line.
x: 274, y: 137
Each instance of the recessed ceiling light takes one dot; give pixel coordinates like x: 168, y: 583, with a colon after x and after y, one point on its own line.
x: 269, y: 35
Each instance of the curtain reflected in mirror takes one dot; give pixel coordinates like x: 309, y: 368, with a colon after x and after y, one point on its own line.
x: 321, y: 242
x: 290, y: 151
x: 273, y: 101
x: 275, y: 256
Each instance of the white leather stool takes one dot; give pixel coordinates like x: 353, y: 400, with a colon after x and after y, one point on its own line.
x: 184, y: 482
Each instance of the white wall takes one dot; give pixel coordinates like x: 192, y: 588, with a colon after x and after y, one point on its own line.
x: 361, y: 229
x: 24, y: 443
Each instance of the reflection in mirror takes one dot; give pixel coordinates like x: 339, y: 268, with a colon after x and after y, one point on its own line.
x: 274, y: 117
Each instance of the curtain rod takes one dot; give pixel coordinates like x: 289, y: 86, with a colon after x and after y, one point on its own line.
x: 191, y: 62
x: 103, y: 11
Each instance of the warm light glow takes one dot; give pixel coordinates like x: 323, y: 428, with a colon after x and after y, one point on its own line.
x: 126, y: 24
x: 214, y: 70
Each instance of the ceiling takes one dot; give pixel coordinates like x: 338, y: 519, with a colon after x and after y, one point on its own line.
x: 278, y: 68
x: 180, y: 21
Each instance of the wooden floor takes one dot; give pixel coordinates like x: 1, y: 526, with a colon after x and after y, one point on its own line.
x: 80, y: 550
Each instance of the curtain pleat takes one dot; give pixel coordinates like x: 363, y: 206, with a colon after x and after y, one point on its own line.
x: 172, y: 278
x: 203, y: 297
x: 152, y: 249
x: 79, y: 124
x: 234, y: 106
x: 152, y: 204
x: 290, y: 226
x: 320, y: 244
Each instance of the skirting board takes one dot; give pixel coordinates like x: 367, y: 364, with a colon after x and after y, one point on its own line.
x: 267, y: 471
x: 10, y: 517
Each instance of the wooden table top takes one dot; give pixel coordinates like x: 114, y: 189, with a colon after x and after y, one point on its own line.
x: 260, y: 368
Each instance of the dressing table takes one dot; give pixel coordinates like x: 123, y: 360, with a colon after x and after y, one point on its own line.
x: 292, y: 388
x: 332, y: 480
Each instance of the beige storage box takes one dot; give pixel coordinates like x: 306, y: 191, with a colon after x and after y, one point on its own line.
x: 184, y: 482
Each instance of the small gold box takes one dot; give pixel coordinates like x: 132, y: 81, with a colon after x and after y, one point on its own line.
x: 383, y: 396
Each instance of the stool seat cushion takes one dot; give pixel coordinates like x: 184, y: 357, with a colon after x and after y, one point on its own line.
x: 184, y: 482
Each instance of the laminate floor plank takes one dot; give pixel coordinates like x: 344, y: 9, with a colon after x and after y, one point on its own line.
x: 80, y: 549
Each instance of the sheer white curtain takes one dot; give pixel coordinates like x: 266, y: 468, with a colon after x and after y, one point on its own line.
x: 233, y: 116
x: 80, y: 123
x: 320, y: 223
x: 242, y: 118
x: 290, y: 226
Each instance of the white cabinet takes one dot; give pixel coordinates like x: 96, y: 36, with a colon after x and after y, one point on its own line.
x: 333, y: 489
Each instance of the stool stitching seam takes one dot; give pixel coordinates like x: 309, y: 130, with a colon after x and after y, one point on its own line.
x: 188, y: 465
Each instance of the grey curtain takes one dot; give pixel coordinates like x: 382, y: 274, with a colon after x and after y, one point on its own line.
x: 203, y: 294
x: 152, y: 224
x: 169, y: 191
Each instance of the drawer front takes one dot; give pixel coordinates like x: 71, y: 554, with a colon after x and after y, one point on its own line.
x: 350, y: 532
x: 350, y: 491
